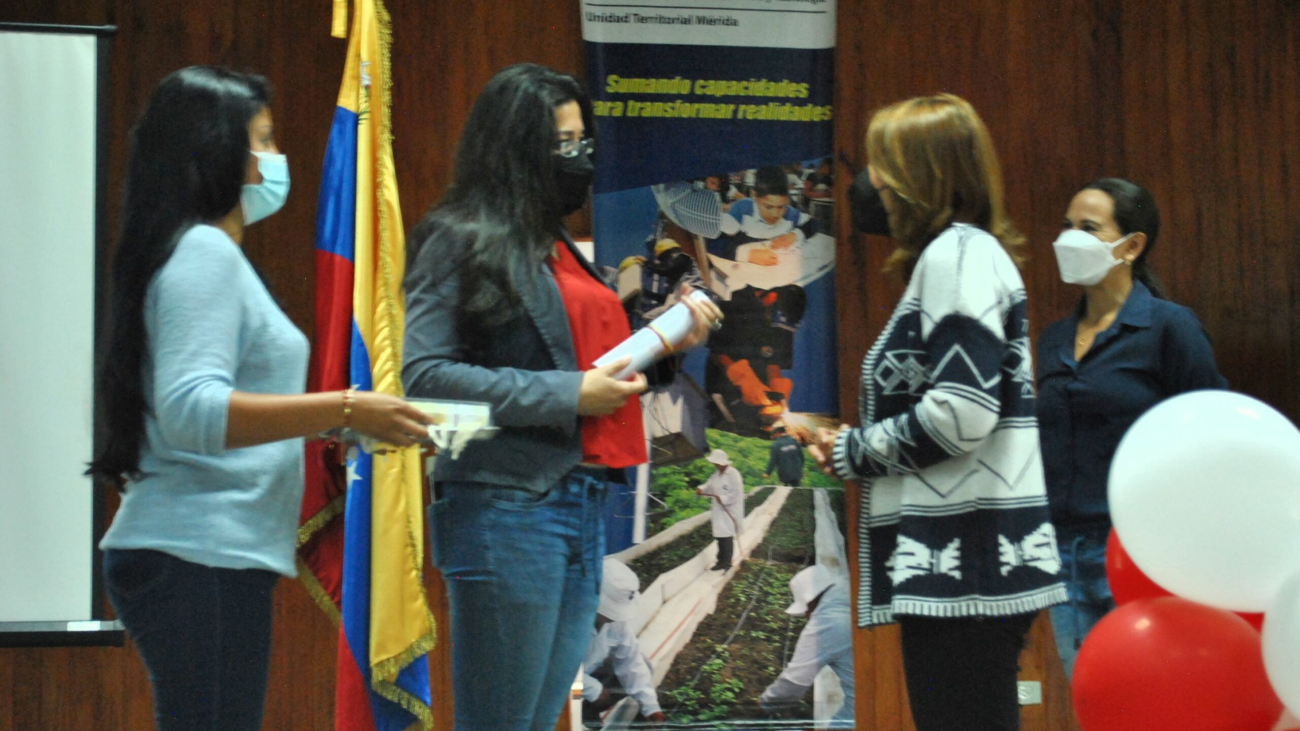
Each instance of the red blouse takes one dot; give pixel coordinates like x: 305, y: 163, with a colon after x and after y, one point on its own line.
x: 598, y: 323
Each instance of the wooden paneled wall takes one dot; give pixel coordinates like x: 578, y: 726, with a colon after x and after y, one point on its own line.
x: 1194, y: 98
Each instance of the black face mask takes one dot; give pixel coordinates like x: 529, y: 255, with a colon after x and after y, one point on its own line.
x: 572, y: 179
x: 868, y: 209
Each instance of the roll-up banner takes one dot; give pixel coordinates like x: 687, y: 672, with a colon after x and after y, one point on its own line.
x: 713, y: 132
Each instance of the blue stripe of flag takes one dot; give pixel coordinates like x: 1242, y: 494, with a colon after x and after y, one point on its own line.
x: 336, y: 213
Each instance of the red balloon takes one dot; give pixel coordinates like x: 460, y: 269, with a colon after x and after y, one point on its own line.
x: 1255, y: 620
x: 1127, y: 582
x: 1169, y: 664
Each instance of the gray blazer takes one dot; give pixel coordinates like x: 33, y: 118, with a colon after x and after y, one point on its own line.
x: 526, y: 370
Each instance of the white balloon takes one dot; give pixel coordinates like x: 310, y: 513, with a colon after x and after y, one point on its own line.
x: 1287, y: 722
x: 1205, y: 495
x: 1281, y: 641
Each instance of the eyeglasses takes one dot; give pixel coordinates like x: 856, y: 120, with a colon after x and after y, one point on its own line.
x: 571, y: 148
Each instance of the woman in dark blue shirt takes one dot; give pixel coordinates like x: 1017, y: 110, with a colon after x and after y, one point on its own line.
x: 1124, y: 349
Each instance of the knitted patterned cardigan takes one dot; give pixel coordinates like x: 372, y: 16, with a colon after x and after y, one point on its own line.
x: 954, y: 519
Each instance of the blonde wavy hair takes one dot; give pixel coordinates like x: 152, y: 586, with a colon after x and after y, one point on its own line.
x: 936, y: 160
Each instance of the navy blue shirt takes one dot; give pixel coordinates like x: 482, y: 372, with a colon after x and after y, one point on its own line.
x: 787, y: 456
x: 1153, y: 350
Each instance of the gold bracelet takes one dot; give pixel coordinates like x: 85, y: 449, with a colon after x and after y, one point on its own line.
x: 349, y: 396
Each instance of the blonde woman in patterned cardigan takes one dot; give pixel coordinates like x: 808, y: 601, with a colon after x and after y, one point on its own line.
x: 955, y: 539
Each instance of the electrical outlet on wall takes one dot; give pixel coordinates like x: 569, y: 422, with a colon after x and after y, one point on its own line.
x: 1030, y: 692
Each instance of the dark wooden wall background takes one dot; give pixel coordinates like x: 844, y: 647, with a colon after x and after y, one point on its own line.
x: 1197, y: 99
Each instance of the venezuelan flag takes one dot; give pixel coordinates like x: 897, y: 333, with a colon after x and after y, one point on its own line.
x: 366, y: 572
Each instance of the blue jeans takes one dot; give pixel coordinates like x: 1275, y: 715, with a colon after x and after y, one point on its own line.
x: 523, y: 581
x: 1083, y: 565
x: 204, y: 634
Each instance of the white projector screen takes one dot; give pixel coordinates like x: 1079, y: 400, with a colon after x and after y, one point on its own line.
x: 49, y: 98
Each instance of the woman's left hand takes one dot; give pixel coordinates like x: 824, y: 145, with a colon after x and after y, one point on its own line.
x: 705, y: 313
x: 823, y: 448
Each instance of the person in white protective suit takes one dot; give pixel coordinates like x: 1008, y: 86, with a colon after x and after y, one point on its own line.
x: 614, y: 647
x: 727, y: 490
x: 827, y: 639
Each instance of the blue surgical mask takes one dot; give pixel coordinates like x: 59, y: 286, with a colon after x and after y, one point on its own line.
x: 268, y: 196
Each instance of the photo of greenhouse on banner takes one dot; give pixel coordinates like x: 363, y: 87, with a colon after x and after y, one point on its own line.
x: 724, y: 597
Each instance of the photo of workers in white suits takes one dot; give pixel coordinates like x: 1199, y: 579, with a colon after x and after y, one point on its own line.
x: 693, y: 620
x: 614, y: 650
x: 826, y: 641
x: 727, y: 490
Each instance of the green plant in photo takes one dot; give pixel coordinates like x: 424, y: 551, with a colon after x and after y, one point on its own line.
x: 714, y: 666
x: 726, y: 692
x: 687, y: 696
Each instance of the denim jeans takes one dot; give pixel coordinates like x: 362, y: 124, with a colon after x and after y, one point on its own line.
x: 204, y: 634
x: 523, y: 581
x: 1083, y: 565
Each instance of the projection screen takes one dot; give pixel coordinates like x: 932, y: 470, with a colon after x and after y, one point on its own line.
x: 51, y: 203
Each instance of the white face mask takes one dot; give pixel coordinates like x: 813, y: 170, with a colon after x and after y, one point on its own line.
x: 268, y: 196
x: 1083, y: 258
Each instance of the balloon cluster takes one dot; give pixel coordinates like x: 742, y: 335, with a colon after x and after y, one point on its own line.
x: 1205, y: 494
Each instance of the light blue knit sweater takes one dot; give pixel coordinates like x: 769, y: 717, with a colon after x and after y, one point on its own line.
x: 212, y: 329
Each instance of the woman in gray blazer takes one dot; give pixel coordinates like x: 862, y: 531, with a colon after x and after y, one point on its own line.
x: 501, y: 308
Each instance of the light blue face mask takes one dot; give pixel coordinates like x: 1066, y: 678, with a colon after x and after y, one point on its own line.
x: 268, y: 196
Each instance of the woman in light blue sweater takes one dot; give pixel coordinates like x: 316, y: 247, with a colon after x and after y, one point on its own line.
x: 201, y: 396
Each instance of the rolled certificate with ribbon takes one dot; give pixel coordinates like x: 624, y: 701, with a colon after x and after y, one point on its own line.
x: 661, y: 336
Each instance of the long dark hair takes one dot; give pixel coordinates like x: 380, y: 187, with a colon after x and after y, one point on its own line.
x: 502, y: 211
x: 189, y: 154
x: 1135, y: 211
